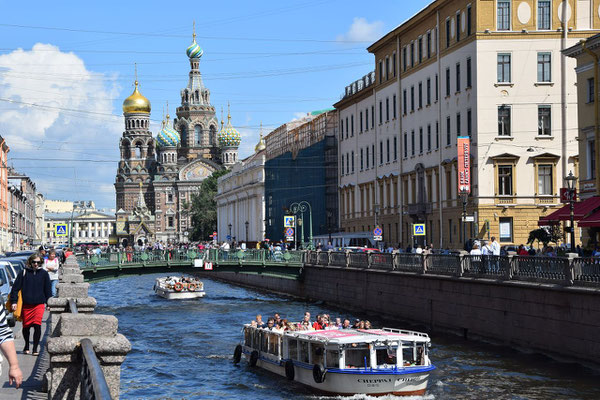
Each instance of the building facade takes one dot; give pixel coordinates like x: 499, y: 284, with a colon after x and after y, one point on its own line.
x: 4, y: 197
x: 83, y: 226
x: 157, y: 177
x: 22, y: 198
x: 488, y: 70
x: 301, y: 165
x: 241, y: 199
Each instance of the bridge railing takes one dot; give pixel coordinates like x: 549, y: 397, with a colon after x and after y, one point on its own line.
x: 137, y: 257
x: 557, y: 270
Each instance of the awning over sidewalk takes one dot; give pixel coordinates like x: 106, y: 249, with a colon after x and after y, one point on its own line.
x: 580, y: 210
x: 591, y: 220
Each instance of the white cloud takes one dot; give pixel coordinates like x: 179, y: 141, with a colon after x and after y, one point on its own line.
x: 70, y: 120
x: 363, y: 31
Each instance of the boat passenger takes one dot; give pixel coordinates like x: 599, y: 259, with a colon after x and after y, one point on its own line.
x: 253, y: 324
x: 338, y: 323
x: 305, y: 325
x: 270, y: 324
x: 361, y: 325
x: 318, y: 324
x: 368, y: 325
x: 259, y: 321
x: 346, y: 324
x: 356, y: 324
x: 307, y: 317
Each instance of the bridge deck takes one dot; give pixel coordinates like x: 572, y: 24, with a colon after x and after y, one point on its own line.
x: 33, y: 368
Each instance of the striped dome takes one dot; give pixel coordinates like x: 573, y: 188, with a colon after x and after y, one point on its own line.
x: 229, y: 136
x: 194, y: 51
x: 168, y: 137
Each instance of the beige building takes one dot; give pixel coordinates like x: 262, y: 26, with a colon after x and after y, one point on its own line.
x: 489, y: 70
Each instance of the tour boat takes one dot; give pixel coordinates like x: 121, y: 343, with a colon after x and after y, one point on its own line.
x: 343, y: 362
x: 179, y: 288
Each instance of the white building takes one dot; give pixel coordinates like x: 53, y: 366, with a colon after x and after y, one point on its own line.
x: 241, y: 200
x: 490, y: 70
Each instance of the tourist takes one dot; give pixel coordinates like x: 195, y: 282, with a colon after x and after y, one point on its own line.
x: 475, y: 251
x: 34, y: 284
x: 346, y: 324
x: 419, y: 250
x: 68, y: 252
x: 306, y: 317
x: 368, y: 324
x: 522, y: 251
x: 259, y: 321
x: 7, y: 346
x: 318, y: 324
x: 361, y: 325
x: 495, y: 247
x: 338, y: 323
x: 51, y: 265
x: 270, y: 324
x: 356, y: 324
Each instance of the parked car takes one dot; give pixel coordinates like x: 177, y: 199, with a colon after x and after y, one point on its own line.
x: 7, y: 278
x: 23, y: 253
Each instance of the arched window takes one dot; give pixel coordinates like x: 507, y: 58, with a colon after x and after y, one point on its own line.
x: 184, y: 135
x: 198, y: 134
x: 138, y: 151
x: 213, y: 135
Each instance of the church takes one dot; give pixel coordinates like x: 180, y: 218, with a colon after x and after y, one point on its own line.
x: 157, y: 176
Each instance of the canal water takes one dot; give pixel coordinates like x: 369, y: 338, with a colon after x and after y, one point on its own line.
x: 183, y: 350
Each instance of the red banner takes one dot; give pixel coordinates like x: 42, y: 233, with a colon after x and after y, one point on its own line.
x: 464, y: 164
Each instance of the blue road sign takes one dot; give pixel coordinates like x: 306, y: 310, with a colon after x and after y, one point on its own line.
x: 228, y: 237
x: 377, y: 231
x: 289, y: 232
x: 418, y: 229
x: 60, y: 229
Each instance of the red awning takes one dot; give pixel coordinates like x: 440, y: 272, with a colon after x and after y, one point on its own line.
x: 591, y: 220
x: 580, y: 211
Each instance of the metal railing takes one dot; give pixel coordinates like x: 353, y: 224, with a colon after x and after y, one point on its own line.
x: 556, y: 270
x: 93, y: 381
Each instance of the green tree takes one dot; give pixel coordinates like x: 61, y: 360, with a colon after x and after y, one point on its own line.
x: 203, y: 208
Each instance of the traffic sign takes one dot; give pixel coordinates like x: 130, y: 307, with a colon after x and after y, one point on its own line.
x: 60, y: 230
x: 469, y: 218
x: 289, y: 221
x: 228, y: 237
x: 208, y: 266
x: 378, y: 238
x: 289, y: 232
x: 566, y: 194
x: 418, y: 229
x: 377, y: 231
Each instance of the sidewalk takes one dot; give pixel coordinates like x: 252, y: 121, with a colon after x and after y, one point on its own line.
x: 33, y: 368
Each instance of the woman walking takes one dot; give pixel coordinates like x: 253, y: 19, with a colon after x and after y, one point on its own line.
x: 35, y: 287
x: 51, y: 265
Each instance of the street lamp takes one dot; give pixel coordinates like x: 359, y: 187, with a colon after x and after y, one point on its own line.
x: 464, y: 195
x: 571, y: 179
x: 302, y: 207
x: 229, y: 236
x: 247, y: 223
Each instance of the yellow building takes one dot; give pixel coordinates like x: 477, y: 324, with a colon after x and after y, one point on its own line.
x: 489, y: 70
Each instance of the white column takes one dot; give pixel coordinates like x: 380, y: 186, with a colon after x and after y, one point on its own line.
x: 89, y: 229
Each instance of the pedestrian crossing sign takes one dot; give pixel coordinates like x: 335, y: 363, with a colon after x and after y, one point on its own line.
x: 60, y: 230
x: 289, y: 221
x: 418, y: 229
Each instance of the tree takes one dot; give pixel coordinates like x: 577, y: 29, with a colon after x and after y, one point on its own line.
x: 203, y: 208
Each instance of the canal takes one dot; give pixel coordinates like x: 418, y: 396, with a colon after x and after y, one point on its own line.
x: 183, y: 349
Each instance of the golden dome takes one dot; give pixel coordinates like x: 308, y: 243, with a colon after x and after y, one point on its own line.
x: 136, y: 103
x: 261, y: 144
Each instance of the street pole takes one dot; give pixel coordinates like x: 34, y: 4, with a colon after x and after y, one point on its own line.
x: 302, y: 207
x: 570, y: 180
x: 464, y: 194
x: 572, y: 223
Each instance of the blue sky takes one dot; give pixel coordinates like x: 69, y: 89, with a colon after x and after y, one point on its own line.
x: 65, y: 68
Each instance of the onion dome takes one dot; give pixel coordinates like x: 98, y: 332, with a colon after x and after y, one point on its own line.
x: 136, y: 103
x: 229, y: 136
x: 261, y: 145
x: 194, y: 50
x: 168, y: 137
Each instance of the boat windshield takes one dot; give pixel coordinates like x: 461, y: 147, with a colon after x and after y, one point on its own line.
x: 386, y: 356
x: 358, y: 356
x: 413, y: 354
x: 317, y: 351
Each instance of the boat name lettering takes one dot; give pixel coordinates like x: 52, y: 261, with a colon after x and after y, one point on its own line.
x: 381, y: 380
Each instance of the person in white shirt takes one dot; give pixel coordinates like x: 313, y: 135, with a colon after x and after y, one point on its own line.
x: 475, y: 251
x: 419, y: 250
x: 485, y: 250
x: 51, y: 265
x: 495, y: 247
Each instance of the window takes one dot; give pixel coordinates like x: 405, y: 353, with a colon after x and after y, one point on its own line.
x: 505, y: 180
x: 458, y: 26
x: 447, y: 82
x: 469, y: 79
x: 362, y: 165
x: 372, y: 155
x: 412, y: 54
x: 506, y: 229
x: 544, y: 13
x: 380, y: 152
x: 171, y: 222
x: 469, y: 123
x: 503, y: 67
x: 437, y: 89
x: 367, y: 119
x: 544, y: 121
x: 590, y: 90
x: 405, y: 144
x: 412, y: 142
x: 380, y: 71
x: 504, y: 120
x: 380, y: 112
x: 404, y: 59
x: 347, y: 129
x: 342, y: 128
x: 169, y: 197
x: 545, y: 179
x: 543, y: 64
x: 437, y: 135
x: 421, y: 140
x: 458, y: 77
x: 447, y: 32
x: 591, y: 159
x: 404, y: 101
x: 503, y: 15
x: 420, y: 94
x: 458, y: 124
x: 448, y: 133
x: 352, y: 160
x: 347, y: 163
x: 394, y: 105
x: 468, y: 20
x: 429, y: 137
x: 429, y: 44
x: 412, y: 98
x: 360, y: 117
x: 367, y: 161
x: 372, y: 117
x: 387, y: 108
x: 394, y: 63
x: 420, y: 49
x: 395, y: 148
x: 387, y: 150
x: 428, y: 91
x: 387, y: 68
x: 352, y: 125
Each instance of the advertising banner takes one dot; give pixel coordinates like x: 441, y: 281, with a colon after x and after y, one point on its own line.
x: 464, y: 164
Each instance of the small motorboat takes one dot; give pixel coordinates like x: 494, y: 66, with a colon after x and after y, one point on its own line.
x: 172, y: 287
x: 343, y: 362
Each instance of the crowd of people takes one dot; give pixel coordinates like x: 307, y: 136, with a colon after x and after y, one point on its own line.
x: 322, y: 322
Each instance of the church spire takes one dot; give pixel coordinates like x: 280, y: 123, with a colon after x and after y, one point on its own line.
x: 141, y: 203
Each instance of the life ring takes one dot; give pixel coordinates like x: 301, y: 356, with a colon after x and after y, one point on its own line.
x: 237, y: 354
x: 253, y: 358
x: 192, y: 287
x: 319, y: 372
x: 289, y: 370
x: 178, y: 286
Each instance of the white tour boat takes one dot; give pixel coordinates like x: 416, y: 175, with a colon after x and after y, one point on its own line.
x: 173, y: 287
x: 343, y: 362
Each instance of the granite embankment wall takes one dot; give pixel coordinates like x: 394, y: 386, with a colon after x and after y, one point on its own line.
x: 556, y: 320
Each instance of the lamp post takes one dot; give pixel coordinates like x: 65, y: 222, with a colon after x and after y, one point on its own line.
x: 376, y: 212
x: 247, y: 223
x: 329, y: 213
x: 571, y: 179
x: 464, y: 195
x: 229, y: 236
x: 302, y: 207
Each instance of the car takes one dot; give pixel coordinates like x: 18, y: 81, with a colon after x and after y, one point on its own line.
x: 7, y: 278
x: 17, y: 263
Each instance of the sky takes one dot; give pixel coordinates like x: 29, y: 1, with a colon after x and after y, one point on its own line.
x: 67, y: 66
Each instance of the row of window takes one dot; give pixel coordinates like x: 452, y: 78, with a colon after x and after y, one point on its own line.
x: 503, y: 15
x: 347, y: 125
x: 544, y: 67
x: 457, y: 20
x: 390, y: 67
x: 367, y: 156
x: 544, y: 117
x: 545, y: 180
